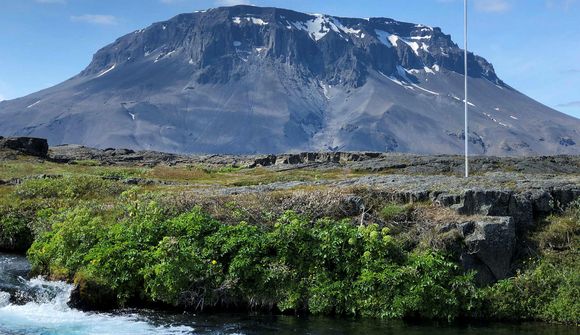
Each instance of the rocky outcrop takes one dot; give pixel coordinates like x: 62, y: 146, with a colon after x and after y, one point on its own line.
x: 524, y: 206
x: 324, y: 157
x: 27, y: 145
x: 489, y: 247
x: 490, y: 244
x: 363, y: 161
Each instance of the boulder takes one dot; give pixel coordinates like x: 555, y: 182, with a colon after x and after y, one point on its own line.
x: 489, y: 247
x: 484, y: 202
x: 264, y: 161
x: 352, y: 205
x: 520, y: 208
x: 26, y: 145
x: 542, y: 202
x: 90, y: 295
x: 446, y: 199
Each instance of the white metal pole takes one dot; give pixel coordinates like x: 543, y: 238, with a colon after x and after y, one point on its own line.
x: 465, y: 84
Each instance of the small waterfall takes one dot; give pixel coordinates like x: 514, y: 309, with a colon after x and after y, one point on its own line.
x: 44, y: 311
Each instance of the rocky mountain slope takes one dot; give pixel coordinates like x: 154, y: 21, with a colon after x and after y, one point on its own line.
x: 248, y: 79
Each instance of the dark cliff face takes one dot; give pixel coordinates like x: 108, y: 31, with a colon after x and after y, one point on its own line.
x: 333, y: 49
x: 247, y: 79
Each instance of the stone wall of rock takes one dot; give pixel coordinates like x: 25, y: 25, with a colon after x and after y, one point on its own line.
x: 490, y: 244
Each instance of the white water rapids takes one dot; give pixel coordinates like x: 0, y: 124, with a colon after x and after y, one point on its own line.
x: 47, y: 312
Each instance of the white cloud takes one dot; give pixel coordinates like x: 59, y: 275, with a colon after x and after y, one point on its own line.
x: 2, y: 98
x: 493, y: 6
x: 51, y: 1
x: 95, y: 19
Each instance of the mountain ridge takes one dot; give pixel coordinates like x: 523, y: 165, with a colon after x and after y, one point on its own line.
x: 248, y: 79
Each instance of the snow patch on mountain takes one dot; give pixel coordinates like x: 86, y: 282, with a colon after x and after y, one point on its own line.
x: 253, y: 20
x: 425, y: 90
x: 428, y: 70
x: 34, y: 104
x: 107, y: 70
x: 321, y: 25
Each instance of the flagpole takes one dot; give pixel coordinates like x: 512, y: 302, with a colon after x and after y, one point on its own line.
x: 465, y: 87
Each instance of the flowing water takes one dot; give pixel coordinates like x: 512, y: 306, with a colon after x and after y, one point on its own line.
x: 39, y: 307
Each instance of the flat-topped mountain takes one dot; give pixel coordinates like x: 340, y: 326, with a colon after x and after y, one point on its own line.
x: 248, y: 79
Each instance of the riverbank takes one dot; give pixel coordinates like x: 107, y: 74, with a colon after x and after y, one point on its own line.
x: 45, y: 311
x: 352, y: 234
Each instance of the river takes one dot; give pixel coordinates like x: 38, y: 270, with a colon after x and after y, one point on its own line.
x: 39, y: 307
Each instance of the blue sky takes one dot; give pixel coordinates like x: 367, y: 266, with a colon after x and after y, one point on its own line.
x: 533, y: 44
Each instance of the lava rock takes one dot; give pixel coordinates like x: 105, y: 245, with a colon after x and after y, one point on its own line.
x: 89, y: 295
x: 484, y: 202
x: 490, y: 246
x: 27, y: 145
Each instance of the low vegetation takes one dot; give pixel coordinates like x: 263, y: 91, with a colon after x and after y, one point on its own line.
x: 394, y: 211
x: 549, y: 287
x: 160, y: 245
x: 192, y: 260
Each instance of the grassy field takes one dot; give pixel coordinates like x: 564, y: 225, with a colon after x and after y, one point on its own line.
x: 223, y: 176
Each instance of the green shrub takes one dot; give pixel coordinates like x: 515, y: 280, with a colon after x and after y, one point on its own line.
x: 550, y: 286
x: 86, y: 162
x: 63, y: 249
x: 547, y: 292
x: 15, y: 233
x: 562, y: 231
x: 395, y: 212
x: 69, y: 187
x: 323, y: 267
x: 427, y: 285
x: 17, y: 223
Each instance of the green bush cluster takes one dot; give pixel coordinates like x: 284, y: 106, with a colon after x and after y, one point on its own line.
x: 15, y: 233
x: 191, y: 260
x: 69, y: 187
x: 17, y: 223
x: 561, y: 231
x: 26, y: 210
x: 550, y: 291
x: 394, y: 211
